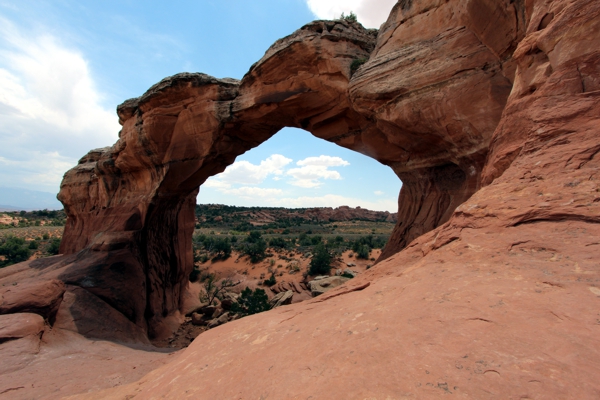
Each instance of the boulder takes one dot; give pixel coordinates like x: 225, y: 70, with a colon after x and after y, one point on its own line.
x: 89, y: 315
x: 207, y: 309
x: 224, y: 318
x: 199, y: 319
x: 228, y: 299
x: 350, y: 272
x: 320, y: 286
x: 282, y: 299
x: 16, y: 326
x: 295, y: 286
x: 42, y: 298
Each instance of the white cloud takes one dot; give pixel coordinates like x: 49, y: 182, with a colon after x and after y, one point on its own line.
x: 378, y: 193
x: 246, y: 173
x: 249, y: 192
x: 42, y: 171
x: 244, y: 192
x: 370, y: 13
x: 324, y: 161
x: 51, y: 112
x: 309, y: 176
x: 313, y: 169
x: 214, y: 182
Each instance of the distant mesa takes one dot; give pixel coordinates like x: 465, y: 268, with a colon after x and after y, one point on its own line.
x: 265, y: 215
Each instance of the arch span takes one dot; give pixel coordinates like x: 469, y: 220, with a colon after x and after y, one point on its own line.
x: 130, y: 206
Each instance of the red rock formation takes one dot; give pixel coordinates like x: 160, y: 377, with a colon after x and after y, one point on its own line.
x: 436, y: 86
x: 498, y: 301
x: 137, y: 197
x: 428, y: 103
x: 501, y: 301
x: 345, y: 213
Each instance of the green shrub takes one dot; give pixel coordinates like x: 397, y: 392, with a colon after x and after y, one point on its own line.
x: 304, y: 240
x: 278, y: 242
x: 255, y: 247
x: 14, y: 250
x: 355, y: 65
x: 350, y: 17
x: 320, y: 264
x: 218, y: 248
x: 221, y: 248
x: 54, y: 246
x: 254, y: 237
x: 251, y: 302
x: 363, y: 252
x: 195, y: 275
x: 315, y: 240
x: 271, y: 281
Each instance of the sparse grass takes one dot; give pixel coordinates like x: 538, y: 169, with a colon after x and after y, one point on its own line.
x: 32, y: 232
x: 42, y: 241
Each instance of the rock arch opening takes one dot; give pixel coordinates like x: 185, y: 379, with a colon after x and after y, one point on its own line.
x: 130, y: 207
x: 294, y: 169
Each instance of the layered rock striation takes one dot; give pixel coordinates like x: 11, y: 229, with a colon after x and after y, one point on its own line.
x: 136, y: 198
x: 495, y: 101
x: 500, y: 301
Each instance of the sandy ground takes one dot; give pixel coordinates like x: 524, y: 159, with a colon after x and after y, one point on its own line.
x: 288, y: 266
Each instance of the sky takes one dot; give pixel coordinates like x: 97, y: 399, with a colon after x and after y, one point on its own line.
x: 66, y: 64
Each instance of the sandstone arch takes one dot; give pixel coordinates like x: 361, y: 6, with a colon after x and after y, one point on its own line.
x: 499, y: 301
x: 130, y: 206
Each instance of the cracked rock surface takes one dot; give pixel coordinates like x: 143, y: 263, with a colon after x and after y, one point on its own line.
x: 489, y: 111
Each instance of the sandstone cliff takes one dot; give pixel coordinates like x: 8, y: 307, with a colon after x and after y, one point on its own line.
x: 137, y: 196
x: 489, y: 112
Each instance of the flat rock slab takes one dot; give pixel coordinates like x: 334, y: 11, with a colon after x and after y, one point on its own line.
x: 16, y: 326
x: 87, y: 314
x: 42, y: 298
x: 323, y: 284
x: 65, y: 363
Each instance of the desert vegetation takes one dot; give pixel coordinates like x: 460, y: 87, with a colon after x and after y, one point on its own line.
x: 22, y: 219
x: 257, y: 233
x: 29, y: 234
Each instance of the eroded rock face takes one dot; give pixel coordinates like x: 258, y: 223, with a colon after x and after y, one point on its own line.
x: 138, y: 196
x: 427, y: 102
x: 501, y: 301
x: 436, y: 86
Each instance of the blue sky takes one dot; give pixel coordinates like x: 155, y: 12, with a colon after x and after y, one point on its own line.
x: 65, y: 65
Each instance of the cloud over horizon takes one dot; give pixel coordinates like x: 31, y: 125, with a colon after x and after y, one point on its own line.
x: 314, y: 169
x: 51, y: 111
x: 243, y: 181
x: 370, y: 13
x: 246, y: 173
